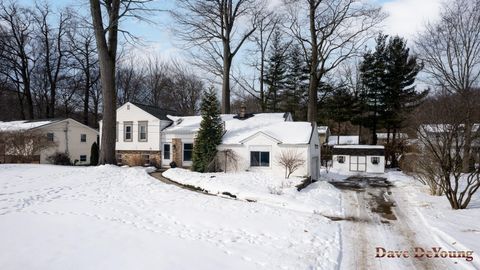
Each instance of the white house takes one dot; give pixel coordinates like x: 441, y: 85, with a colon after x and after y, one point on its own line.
x: 67, y: 136
x: 359, y: 158
x: 256, y: 139
x: 138, y: 132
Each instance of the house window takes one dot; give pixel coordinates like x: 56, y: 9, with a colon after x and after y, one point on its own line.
x: 259, y: 159
x: 316, y: 146
x: 166, y: 151
x: 83, y: 158
x: 116, y: 132
x: 142, y: 131
x: 50, y: 137
x: 375, y: 160
x: 127, y: 134
x: 187, y: 151
x: 83, y: 137
x: 341, y: 159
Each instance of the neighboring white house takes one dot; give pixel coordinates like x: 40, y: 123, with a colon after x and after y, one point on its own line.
x: 256, y: 139
x: 343, y: 139
x: 67, y: 136
x: 359, y: 158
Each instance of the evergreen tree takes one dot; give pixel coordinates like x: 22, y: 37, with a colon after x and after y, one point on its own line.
x: 400, y: 95
x: 94, y: 154
x: 295, y: 96
x: 372, y: 75
x: 339, y: 107
x: 275, y: 75
x: 388, y: 75
x: 210, y: 133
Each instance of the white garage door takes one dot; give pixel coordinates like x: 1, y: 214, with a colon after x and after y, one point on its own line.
x: 358, y: 163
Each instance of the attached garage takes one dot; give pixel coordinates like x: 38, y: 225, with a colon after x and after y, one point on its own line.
x: 359, y: 158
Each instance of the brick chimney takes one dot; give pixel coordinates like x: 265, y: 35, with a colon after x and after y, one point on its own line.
x: 243, y: 111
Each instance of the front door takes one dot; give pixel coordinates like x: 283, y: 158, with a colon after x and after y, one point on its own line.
x: 358, y: 163
x: 166, y: 154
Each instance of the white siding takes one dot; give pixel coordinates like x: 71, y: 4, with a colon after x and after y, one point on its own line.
x: 262, y: 143
x: 131, y: 113
x: 67, y: 138
x: 370, y: 167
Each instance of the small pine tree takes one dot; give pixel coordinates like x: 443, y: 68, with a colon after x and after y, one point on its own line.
x: 210, y: 133
x: 94, y: 154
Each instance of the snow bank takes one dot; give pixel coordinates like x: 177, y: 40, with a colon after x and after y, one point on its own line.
x: 264, y: 188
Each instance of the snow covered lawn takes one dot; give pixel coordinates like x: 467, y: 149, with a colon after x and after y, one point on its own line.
x: 55, y: 217
x: 266, y: 188
x: 454, y: 229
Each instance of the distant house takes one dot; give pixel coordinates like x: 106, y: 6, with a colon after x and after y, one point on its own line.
x: 323, y: 134
x: 343, y: 140
x: 359, y: 158
x: 382, y: 138
x: 256, y: 140
x: 65, y: 136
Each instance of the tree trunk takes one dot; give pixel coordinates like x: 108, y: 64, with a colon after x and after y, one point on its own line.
x: 227, y: 62
x: 107, y: 57
x: 87, y: 90
x: 313, y: 85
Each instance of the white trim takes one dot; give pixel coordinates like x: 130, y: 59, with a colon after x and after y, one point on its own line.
x: 257, y: 134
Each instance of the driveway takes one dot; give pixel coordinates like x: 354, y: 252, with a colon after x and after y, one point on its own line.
x: 372, y: 220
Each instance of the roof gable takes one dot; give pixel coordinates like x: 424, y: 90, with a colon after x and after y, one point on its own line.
x: 155, y: 111
x: 260, y: 133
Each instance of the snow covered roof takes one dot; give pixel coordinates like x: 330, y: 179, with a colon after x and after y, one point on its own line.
x: 360, y: 150
x: 24, y: 124
x: 237, y: 130
x: 383, y: 136
x: 322, y: 129
x: 349, y: 139
x: 360, y: 146
x: 440, y: 128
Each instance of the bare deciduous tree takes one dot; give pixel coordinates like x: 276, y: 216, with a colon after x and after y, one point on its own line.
x: 83, y: 51
x: 450, y: 49
x: 106, y: 35
x: 442, y: 141
x: 17, y: 52
x: 215, y: 28
x: 330, y: 32
x: 24, y: 145
x: 291, y: 160
x: 267, y: 23
x: 52, y: 49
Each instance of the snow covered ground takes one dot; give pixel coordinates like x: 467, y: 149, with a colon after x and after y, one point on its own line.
x: 266, y: 188
x: 55, y: 217
x: 453, y: 229
x: 107, y: 217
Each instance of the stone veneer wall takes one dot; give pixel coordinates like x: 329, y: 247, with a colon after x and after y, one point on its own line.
x: 177, y: 151
x: 131, y: 157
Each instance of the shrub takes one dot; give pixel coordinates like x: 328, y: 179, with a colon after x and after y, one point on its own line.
x: 94, y: 154
x: 60, y: 159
